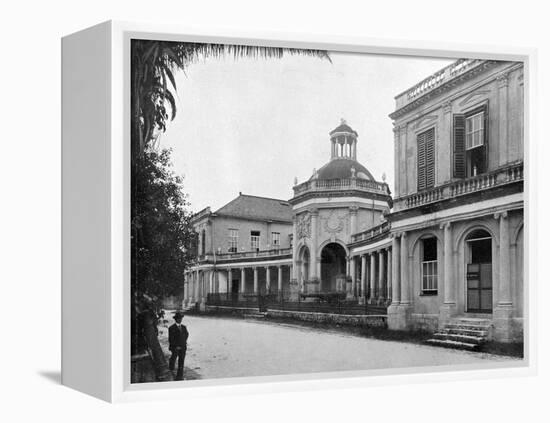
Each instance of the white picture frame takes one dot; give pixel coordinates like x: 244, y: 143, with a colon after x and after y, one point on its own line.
x: 95, y: 269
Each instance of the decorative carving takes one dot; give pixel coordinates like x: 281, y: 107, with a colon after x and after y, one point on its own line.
x: 502, y: 80
x: 303, y: 226
x: 334, y: 223
x: 447, y: 107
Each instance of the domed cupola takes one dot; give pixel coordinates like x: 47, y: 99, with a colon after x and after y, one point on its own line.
x: 343, y: 157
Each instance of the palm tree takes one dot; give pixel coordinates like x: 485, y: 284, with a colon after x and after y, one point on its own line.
x: 153, y: 89
x: 153, y: 84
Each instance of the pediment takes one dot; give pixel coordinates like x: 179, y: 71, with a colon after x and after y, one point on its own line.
x: 473, y: 96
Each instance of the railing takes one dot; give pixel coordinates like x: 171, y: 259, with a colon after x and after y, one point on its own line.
x: 275, y: 252
x: 334, y: 303
x: 341, y: 184
x: 371, y: 233
x: 499, y: 177
x: 435, y: 80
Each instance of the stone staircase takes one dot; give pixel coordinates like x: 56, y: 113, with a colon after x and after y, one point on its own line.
x: 463, y: 333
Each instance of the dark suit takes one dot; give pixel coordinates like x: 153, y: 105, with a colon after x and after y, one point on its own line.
x: 177, y: 339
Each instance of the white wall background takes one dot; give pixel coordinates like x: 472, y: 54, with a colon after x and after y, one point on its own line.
x: 30, y: 207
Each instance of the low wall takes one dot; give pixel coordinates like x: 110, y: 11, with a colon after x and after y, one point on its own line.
x: 230, y: 310
x: 345, y: 319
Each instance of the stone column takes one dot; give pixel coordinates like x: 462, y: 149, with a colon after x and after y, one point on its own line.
x: 449, y: 289
x: 503, y: 312
x: 381, y: 275
x: 372, y: 281
x: 185, y: 289
x: 243, y: 280
x: 313, y: 276
x: 294, y: 270
x: 351, y: 292
x: 197, y: 282
x: 505, y: 291
x: 267, y: 279
x: 255, y: 280
x: 280, y: 278
x: 405, y: 277
x: 229, y: 280
x: 503, y: 118
x: 363, y: 278
x: 389, y: 272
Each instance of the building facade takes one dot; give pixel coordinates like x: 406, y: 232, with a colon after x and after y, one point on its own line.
x: 448, y: 245
x: 457, y: 220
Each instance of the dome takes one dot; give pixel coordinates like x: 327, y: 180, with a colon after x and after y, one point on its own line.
x: 343, y: 128
x: 341, y: 168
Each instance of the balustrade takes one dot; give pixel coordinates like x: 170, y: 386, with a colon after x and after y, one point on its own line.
x: 462, y: 187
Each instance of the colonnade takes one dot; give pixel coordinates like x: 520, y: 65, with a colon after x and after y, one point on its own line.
x: 375, y: 277
x: 200, y: 282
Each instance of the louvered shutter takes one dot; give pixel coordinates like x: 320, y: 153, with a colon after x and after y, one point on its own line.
x: 459, y: 156
x: 430, y: 158
x: 421, y: 160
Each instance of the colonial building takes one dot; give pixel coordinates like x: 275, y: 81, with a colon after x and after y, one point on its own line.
x: 242, y: 248
x: 457, y: 220
x: 247, y: 246
x: 448, y: 246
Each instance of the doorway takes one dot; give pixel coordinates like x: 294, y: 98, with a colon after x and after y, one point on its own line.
x: 479, y: 272
x: 333, y: 268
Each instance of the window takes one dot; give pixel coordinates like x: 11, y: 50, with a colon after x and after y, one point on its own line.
x: 475, y: 127
x: 255, y: 240
x: 426, y: 159
x: 276, y: 239
x: 429, y: 266
x: 233, y: 240
x: 470, y: 143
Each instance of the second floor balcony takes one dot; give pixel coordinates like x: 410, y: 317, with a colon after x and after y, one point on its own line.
x: 495, y: 179
x: 275, y: 253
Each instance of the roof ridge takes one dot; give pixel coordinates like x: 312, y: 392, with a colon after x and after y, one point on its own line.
x: 263, y: 198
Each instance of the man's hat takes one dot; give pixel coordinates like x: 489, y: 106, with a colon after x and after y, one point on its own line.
x: 178, y: 314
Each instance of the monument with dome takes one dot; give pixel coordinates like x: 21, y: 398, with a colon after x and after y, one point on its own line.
x: 339, y: 200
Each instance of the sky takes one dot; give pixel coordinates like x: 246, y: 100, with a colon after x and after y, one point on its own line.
x: 253, y: 125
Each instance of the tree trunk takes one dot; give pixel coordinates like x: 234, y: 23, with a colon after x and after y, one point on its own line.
x: 157, y: 354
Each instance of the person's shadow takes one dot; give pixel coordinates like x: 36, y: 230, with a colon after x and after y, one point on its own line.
x: 53, y: 376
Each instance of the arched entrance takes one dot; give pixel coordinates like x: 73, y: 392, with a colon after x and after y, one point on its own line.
x: 479, y: 272
x: 333, y: 268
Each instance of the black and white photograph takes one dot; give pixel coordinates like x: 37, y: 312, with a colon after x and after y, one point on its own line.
x: 304, y: 212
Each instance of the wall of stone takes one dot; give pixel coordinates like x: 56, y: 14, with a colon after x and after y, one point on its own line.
x: 344, y: 319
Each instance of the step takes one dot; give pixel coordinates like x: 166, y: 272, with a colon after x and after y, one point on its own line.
x: 452, y: 344
x: 460, y: 338
x: 471, y: 322
x: 463, y: 331
x: 455, y: 325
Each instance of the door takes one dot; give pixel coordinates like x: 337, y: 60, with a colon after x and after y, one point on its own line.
x: 479, y: 280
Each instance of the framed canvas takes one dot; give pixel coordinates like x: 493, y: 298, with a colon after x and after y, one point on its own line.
x: 268, y: 212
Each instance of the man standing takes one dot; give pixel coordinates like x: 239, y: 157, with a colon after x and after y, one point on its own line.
x: 177, y: 338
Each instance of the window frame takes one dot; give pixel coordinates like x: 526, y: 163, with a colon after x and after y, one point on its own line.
x: 429, y: 281
x: 254, y: 238
x: 468, y: 134
x: 276, y: 238
x: 233, y: 239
